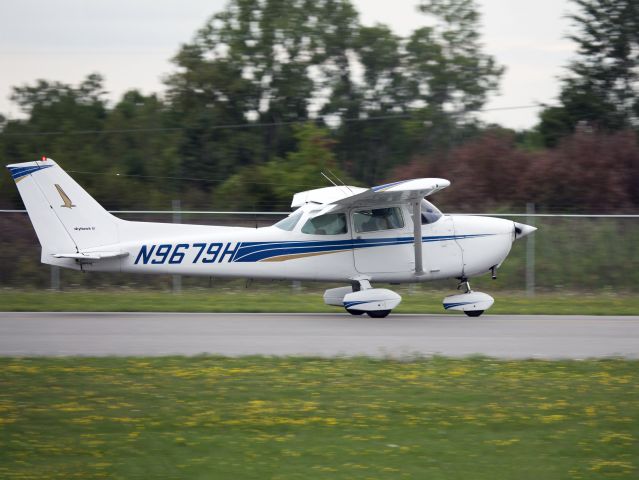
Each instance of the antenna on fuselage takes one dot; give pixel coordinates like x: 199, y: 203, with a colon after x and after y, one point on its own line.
x: 327, y: 178
x: 340, y: 181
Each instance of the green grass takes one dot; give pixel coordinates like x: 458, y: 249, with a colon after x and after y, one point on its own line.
x: 283, y: 300
x: 256, y: 418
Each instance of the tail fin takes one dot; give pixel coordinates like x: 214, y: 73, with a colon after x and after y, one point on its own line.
x: 65, y: 217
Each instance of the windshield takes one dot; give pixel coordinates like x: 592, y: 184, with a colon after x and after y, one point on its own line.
x: 430, y: 213
x: 289, y: 222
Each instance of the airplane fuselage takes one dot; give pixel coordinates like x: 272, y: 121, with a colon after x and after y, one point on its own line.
x: 454, y: 246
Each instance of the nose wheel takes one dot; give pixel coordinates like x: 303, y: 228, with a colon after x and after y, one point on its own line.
x: 473, y: 304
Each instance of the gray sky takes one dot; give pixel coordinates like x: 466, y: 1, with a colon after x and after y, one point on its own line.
x: 131, y: 42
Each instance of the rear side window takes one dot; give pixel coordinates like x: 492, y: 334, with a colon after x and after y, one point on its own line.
x: 329, y: 224
x: 377, y: 219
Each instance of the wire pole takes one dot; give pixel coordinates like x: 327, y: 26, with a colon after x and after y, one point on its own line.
x: 177, y: 218
x: 55, y: 278
x: 530, y: 252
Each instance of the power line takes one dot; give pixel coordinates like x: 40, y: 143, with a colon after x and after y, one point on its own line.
x: 234, y: 126
x: 204, y: 180
x: 221, y: 212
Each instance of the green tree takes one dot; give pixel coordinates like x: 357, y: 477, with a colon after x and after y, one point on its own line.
x: 256, y: 61
x: 280, y: 62
x: 368, y: 148
x: 601, y: 88
x: 447, y: 68
x: 108, y: 150
x: 272, y: 185
x: 142, y: 165
x: 52, y: 107
x: 438, y: 77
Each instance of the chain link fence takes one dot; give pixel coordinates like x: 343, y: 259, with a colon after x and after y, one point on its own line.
x: 590, y: 253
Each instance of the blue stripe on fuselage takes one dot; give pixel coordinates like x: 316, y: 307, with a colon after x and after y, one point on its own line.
x: 257, y: 251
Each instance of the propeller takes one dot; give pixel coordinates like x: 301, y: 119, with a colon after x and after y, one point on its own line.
x: 521, y: 230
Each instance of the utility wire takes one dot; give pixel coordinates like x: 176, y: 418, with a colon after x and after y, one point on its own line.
x: 259, y: 213
x: 205, y: 180
x: 234, y: 126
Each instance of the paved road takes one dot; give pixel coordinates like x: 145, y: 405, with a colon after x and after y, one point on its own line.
x: 504, y: 336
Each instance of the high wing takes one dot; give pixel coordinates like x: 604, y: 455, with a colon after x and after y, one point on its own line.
x: 396, y: 192
x: 342, y: 197
x: 405, y: 191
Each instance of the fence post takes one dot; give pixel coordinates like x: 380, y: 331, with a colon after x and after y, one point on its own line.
x: 177, y: 218
x: 55, y: 278
x: 530, y: 252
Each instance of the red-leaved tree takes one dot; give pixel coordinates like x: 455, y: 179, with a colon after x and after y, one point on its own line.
x: 587, y: 172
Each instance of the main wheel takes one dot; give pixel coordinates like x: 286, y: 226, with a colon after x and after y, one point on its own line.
x: 378, y: 313
x: 355, y: 312
x: 473, y: 313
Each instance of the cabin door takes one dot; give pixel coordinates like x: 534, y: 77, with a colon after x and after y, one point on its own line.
x: 382, y: 240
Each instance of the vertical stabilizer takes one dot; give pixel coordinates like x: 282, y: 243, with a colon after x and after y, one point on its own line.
x: 65, y: 217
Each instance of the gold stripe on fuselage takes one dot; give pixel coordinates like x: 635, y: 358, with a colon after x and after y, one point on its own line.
x: 293, y: 256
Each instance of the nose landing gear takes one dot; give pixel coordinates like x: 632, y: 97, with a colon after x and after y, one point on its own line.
x: 471, y: 303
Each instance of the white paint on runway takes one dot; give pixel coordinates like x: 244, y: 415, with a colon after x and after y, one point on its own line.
x: 326, y: 335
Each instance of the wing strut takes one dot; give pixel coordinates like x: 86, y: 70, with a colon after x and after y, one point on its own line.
x: 417, y: 234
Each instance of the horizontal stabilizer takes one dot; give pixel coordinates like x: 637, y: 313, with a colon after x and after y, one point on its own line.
x: 91, y: 255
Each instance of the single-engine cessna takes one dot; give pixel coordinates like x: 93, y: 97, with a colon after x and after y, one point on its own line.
x: 351, y: 235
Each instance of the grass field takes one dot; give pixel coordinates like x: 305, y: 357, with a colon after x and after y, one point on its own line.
x: 257, y: 418
x: 283, y: 300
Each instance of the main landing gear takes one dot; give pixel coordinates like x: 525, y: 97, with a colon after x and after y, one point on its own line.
x: 361, y: 298
x: 471, y: 303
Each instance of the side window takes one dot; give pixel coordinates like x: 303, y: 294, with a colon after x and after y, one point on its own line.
x: 289, y: 222
x: 377, y: 219
x: 329, y: 224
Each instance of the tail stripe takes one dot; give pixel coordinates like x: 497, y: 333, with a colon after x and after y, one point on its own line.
x: 19, y: 172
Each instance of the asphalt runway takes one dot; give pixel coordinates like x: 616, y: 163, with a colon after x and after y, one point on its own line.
x: 326, y: 335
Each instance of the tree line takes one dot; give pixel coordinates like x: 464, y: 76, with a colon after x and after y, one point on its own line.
x: 269, y: 93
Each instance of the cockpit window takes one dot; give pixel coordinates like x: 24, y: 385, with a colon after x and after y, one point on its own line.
x: 430, y: 213
x: 377, y: 219
x: 329, y: 224
x: 289, y: 222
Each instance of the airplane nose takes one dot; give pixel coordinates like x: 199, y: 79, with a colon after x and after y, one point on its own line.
x: 521, y: 230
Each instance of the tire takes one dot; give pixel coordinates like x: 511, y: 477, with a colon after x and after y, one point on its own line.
x: 378, y: 313
x: 473, y: 313
x: 355, y: 312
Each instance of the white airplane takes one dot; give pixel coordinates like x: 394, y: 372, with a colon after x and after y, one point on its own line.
x: 351, y: 235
